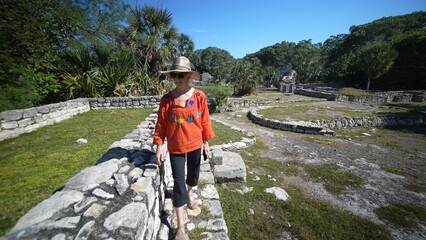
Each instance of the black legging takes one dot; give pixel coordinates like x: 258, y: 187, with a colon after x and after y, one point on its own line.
x: 177, y: 162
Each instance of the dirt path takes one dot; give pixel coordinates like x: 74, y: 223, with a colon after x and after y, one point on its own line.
x: 359, y: 156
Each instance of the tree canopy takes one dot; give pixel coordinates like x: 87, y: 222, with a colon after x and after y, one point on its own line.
x: 53, y: 50
x: 213, y: 60
x: 341, y: 56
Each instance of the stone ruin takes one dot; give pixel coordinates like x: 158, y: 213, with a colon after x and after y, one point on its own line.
x: 287, y: 81
x: 127, y: 196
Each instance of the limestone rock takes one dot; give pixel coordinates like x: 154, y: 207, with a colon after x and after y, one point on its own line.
x: 48, y: 208
x: 93, y: 175
x: 278, y: 192
x: 81, y: 141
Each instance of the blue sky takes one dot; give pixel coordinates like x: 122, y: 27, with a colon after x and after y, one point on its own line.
x: 246, y: 26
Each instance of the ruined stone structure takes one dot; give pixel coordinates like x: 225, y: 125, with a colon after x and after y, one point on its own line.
x: 287, y: 81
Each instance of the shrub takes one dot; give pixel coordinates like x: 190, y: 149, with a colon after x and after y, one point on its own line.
x: 217, y: 96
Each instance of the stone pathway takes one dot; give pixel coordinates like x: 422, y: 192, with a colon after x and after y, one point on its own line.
x: 208, y: 218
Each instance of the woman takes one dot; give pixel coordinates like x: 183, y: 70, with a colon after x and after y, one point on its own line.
x: 184, y: 120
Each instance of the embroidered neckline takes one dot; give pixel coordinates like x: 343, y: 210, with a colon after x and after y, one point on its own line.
x: 189, y: 104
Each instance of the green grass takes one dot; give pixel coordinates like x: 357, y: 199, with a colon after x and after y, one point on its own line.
x: 305, y: 217
x: 306, y: 111
x: 411, y: 107
x: 403, y: 215
x: 335, y: 180
x: 322, y: 139
x: 197, y: 234
x: 415, y: 188
x: 398, y: 171
x: 36, y: 164
x: 224, y: 134
x: 353, y: 92
x: 216, y: 88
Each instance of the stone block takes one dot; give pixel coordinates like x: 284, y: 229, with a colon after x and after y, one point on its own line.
x: 92, y: 175
x: 217, y: 156
x: 12, y: 115
x: 9, y: 125
x: 206, y: 178
x: 48, y: 208
x: 233, y: 169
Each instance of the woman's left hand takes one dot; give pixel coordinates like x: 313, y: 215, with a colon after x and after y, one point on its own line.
x: 206, y: 147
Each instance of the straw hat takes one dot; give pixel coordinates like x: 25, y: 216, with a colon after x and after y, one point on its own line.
x: 182, y: 64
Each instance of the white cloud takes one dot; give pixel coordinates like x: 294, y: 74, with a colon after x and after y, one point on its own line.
x: 197, y: 30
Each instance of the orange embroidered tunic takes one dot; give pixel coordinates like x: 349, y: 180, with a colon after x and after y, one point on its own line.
x: 186, y: 128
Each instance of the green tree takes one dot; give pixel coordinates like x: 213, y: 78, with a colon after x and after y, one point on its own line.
x: 101, y: 71
x: 245, y: 77
x: 270, y: 76
x: 376, y: 60
x: 153, y: 37
x: 185, y: 46
x: 277, y: 55
x: 336, y: 62
x: 94, y: 21
x: 343, y: 50
x: 306, y: 59
x: 409, y: 69
x: 32, y: 36
x: 213, y: 60
x: 27, y: 63
x: 81, y: 78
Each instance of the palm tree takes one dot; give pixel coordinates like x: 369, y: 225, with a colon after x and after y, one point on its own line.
x: 153, y: 37
x: 80, y: 79
x: 185, y: 45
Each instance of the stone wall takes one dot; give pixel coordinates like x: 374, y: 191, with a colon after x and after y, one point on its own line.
x: 387, y: 121
x: 124, y: 196
x: 299, y: 127
x: 119, y: 198
x: 16, y: 122
x: 324, y: 126
x: 244, y: 103
x: 377, y: 97
x: 124, y: 102
x: 318, y: 94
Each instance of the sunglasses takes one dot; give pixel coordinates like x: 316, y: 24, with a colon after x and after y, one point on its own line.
x: 178, y: 75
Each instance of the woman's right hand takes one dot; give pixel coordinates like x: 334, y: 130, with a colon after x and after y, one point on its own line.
x: 159, y: 155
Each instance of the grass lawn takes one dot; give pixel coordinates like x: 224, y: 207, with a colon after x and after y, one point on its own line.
x: 34, y: 165
x: 306, y: 111
x: 224, y: 134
